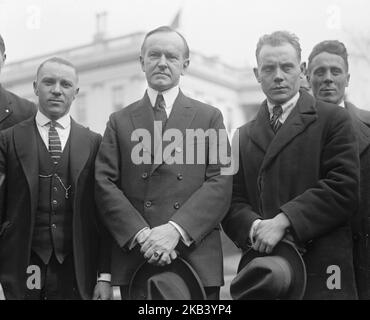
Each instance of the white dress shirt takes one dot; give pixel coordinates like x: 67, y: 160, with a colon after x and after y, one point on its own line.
x: 63, y: 127
x: 169, y: 96
x: 287, y: 107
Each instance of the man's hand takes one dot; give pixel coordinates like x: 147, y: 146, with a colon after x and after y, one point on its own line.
x: 160, y: 244
x: 269, y: 232
x: 103, y: 291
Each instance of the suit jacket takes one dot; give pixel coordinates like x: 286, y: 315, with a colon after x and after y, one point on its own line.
x: 131, y: 197
x: 13, y: 109
x: 309, y: 171
x: 19, y: 164
x: 361, y: 220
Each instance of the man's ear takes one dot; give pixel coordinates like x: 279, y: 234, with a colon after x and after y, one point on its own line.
x: 256, y: 74
x: 303, y: 68
x: 348, y: 78
x: 35, y: 90
x: 185, y: 66
x: 142, y: 63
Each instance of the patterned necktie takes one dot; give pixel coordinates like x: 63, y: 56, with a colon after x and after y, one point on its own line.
x: 55, y: 146
x: 276, y: 113
x: 160, y: 111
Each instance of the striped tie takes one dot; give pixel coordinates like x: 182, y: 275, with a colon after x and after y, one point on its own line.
x: 276, y: 113
x: 55, y: 146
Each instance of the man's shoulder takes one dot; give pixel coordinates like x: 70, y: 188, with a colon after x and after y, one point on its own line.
x: 19, y: 102
x: 361, y: 114
x: 202, y: 106
x: 93, y: 136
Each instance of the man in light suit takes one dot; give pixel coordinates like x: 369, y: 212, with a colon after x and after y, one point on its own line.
x: 298, y: 176
x: 13, y: 109
x: 52, y: 245
x: 156, y: 210
x: 329, y: 77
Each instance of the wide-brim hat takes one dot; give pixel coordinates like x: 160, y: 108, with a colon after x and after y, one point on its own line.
x: 279, y: 275
x: 176, y: 281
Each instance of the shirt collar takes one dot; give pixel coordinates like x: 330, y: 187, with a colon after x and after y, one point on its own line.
x: 169, y: 96
x: 342, y: 104
x: 43, y: 120
x: 290, y: 104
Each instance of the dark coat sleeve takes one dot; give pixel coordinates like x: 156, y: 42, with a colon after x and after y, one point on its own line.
x: 334, y: 198
x: 120, y: 217
x: 240, y: 212
x: 207, y: 206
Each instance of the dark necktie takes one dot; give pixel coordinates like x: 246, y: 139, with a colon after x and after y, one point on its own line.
x: 160, y: 111
x: 276, y: 113
x: 55, y: 146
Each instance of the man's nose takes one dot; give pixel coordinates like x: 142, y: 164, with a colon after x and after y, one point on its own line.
x: 328, y: 77
x: 162, y: 61
x: 278, y: 75
x: 56, y: 89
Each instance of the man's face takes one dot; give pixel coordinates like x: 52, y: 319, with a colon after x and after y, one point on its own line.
x: 163, y: 60
x: 279, y: 72
x: 328, y: 77
x: 56, y: 88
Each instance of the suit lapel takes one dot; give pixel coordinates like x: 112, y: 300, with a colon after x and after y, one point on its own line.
x: 143, y: 118
x: 303, y: 114
x: 260, y: 132
x: 25, y: 141
x: 182, y: 114
x: 361, y: 129
x: 5, y: 105
x: 79, y: 150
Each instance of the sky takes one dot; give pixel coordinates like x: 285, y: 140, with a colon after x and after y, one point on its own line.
x: 228, y: 29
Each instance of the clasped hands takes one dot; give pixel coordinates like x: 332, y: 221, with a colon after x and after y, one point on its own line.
x: 267, y: 233
x: 158, y: 244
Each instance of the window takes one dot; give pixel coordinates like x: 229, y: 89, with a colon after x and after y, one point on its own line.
x: 81, y: 114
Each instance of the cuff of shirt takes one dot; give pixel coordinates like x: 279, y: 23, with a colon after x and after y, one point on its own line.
x: 134, y: 240
x: 107, y: 277
x: 184, y: 236
x: 253, y: 229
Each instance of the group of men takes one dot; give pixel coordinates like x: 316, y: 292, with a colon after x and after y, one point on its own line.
x: 87, y: 212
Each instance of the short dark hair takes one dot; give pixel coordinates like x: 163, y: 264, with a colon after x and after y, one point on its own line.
x: 279, y: 38
x: 165, y: 29
x: 329, y: 46
x: 2, y: 45
x: 56, y: 60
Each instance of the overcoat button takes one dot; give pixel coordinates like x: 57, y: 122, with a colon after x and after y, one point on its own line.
x: 148, y: 204
x: 176, y: 205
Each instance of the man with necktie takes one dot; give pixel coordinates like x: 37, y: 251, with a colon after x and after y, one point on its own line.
x: 298, y: 175
x: 13, y: 109
x: 52, y: 245
x: 156, y: 210
x: 328, y: 74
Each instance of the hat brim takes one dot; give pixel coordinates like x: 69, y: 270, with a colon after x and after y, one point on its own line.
x: 138, y: 287
x: 287, y: 250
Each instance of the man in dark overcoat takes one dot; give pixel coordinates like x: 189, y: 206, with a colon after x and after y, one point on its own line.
x: 328, y: 73
x: 298, y: 176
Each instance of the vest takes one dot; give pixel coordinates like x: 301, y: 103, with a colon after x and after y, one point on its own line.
x: 54, y: 216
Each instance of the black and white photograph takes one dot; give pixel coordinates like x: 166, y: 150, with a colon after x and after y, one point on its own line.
x: 184, y: 150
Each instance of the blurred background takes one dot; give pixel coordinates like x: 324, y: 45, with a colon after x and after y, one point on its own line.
x: 103, y: 39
